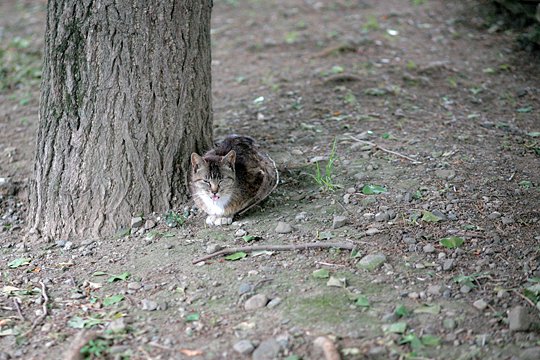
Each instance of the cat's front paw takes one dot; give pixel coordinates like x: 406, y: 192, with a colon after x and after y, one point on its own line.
x: 223, y: 221
x: 210, y: 219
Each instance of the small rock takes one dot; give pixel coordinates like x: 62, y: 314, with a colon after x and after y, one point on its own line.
x: 256, y: 302
x: 480, y: 304
x: 149, y: 224
x: 429, y: 248
x: 465, y: 289
x: 445, y: 174
x: 519, y: 319
x: 449, y: 323
x: 301, y: 216
x: 244, y: 347
x: 507, y: 220
x: 267, y: 350
x: 439, y: 214
x: 77, y: 296
x: 339, y: 221
x: 448, y: 264
x: 494, y: 215
x: 117, y: 325
x: 134, y: 285
x: 240, y: 232
x: 434, y: 290
x: 149, y: 305
x: 532, y: 353
x: 136, y: 222
x: 68, y: 245
x: 372, y: 261
x: 283, y: 228
x: 390, y: 317
x: 409, y: 240
x: 274, y: 302
x: 245, y: 288
x: 372, y: 231
x: 212, y: 248
x: 382, y: 216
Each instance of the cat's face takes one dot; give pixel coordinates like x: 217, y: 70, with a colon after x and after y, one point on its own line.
x: 213, y: 178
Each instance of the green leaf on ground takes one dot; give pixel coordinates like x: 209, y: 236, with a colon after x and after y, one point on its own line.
x: 451, y: 242
x: 397, y: 328
x: 123, y: 276
x: 402, y: 311
x: 78, y: 322
x: 525, y: 109
x: 321, y: 274
x: 337, y: 282
x: 526, y: 184
x: 430, y: 340
x: 236, y: 256
x: 192, y: 317
x: 412, y: 340
x: 362, y: 301
x: 370, y: 189
x: 428, y: 309
x: 19, y: 262
x: 114, y: 299
x: 248, y: 238
x: 428, y: 216
x: 534, y: 134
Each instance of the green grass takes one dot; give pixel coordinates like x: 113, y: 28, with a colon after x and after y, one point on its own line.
x: 325, y: 178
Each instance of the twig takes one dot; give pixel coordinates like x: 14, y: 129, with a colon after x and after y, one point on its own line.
x: 16, y: 302
x: 44, y: 311
x: 511, y: 176
x: 386, y: 150
x: 315, y: 245
x: 524, y: 298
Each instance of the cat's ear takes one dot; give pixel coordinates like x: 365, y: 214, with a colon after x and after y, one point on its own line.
x: 196, y: 161
x: 229, y: 159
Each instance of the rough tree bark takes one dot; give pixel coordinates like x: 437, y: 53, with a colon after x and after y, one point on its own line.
x: 125, y: 99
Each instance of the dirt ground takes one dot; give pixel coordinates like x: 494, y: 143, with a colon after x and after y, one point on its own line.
x: 430, y: 104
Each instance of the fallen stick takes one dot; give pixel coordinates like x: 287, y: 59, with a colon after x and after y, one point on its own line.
x: 44, y: 313
x: 16, y: 303
x: 247, y: 249
x: 386, y: 150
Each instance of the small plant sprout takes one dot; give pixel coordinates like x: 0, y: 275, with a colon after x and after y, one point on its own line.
x: 325, y: 178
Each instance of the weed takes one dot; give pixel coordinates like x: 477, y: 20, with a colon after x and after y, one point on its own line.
x: 325, y: 179
x: 174, y: 219
x: 95, y: 348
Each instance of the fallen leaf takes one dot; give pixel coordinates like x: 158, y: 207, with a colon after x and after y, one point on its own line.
x: 114, y: 299
x: 236, y: 256
x: 370, y: 189
x: 337, y: 282
x: 451, y: 242
x: 19, y: 262
x: 192, y: 317
x: 428, y: 216
x: 321, y: 274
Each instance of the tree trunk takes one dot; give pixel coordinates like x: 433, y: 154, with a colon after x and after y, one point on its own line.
x: 125, y: 100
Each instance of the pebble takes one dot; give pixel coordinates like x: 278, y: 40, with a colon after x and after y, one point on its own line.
x: 532, y: 353
x: 212, y: 248
x: 480, y: 304
x: 256, y: 302
x: 283, y: 228
x: 372, y: 261
x: 434, y: 290
x: 149, y: 224
x: 149, y: 305
x: 68, y: 245
x: 519, y: 319
x: 61, y: 243
x: 240, y: 233
x: 244, y: 347
x: 267, y: 350
x: 507, y: 220
x: 448, y: 264
x: 409, y: 240
x: 439, y: 214
x: 274, y: 302
x: 77, y: 296
x: 445, y: 174
x: 301, y: 216
x: 449, y: 323
x: 117, y: 325
x: 494, y: 215
x: 136, y: 222
x: 372, y: 231
x: 245, y: 288
x: 429, y: 248
x: 339, y: 221
x: 134, y: 285
x: 465, y: 289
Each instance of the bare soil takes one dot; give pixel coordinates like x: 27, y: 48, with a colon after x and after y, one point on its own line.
x: 454, y: 98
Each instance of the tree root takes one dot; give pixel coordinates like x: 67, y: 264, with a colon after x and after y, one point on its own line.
x: 247, y: 249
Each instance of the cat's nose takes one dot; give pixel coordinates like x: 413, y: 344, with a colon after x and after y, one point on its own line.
x: 214, y: 189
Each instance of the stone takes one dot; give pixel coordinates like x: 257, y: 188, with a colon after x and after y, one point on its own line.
x: 244, y: 347
x: 445, y: 174
x: 339, y: 221
x: 149, y: 224
x: 480, y: 304
x: 283, y: 228
x: 136, y: 222
x: 494, y: 215
x: 245, y: 288
x: 267, y: 350
x: 117, y: 325
x: 212, y: 248
x: 434, y: 290
x: 256, y: 302
x: 519, y: 319
x: 449, y: 323
x: 372, y: 261
x: 274, y: 302
x: 382, y: 217
x: 149, y: 305
x: 448, y: 264
x: 372, y: 231
x: 134, y: 285
x: 240, y: 232
x: 532, y: 353
x: 429, y: 248
x: 465, y: 289
x: 507, y: 220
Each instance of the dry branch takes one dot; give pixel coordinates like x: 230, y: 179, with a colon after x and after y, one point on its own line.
x: 247, y: 249
x: 386, y: 150
x: 44, y: 310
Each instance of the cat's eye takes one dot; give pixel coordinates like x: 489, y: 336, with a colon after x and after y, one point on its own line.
x: 206, y: 182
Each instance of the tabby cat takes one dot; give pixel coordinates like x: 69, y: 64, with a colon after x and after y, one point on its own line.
x: 231, y: 178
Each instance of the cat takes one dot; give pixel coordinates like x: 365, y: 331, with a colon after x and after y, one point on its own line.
x: 231, y: 178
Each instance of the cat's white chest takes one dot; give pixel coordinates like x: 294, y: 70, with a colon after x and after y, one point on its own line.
x: 216, y: 207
